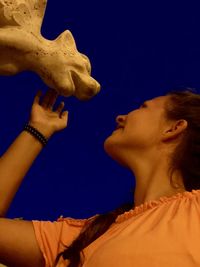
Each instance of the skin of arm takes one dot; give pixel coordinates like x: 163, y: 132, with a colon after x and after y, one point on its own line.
x: 19, y: 157
x: 14, y: 164
x: 18, y: 244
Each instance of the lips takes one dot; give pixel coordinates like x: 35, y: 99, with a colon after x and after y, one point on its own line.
x: 119, y: 127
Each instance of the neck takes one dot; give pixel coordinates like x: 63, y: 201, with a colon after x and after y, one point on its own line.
x: 152, y: 180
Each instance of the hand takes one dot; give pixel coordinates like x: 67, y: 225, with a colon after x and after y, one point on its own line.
x: 43, y: 118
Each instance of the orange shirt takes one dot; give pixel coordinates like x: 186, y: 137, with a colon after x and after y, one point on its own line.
x: 158, y: 233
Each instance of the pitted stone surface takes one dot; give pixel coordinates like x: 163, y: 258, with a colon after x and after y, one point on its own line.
x: 57, y: 62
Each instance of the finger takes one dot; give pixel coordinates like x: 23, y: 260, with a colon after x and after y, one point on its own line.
x: 45, y: 100
x: 64, y: 114
x: 52, y: 99
x: 37, y: 97
x: 60, y: 107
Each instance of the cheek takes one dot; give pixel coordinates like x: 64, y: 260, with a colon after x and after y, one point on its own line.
x: 141, y: 123
x: 140, y: 133
x: 135, y: 127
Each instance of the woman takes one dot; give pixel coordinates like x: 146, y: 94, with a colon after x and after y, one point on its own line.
x: 160, y: 143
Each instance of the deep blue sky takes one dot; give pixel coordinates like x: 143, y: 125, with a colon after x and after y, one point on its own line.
x: 138, y: 50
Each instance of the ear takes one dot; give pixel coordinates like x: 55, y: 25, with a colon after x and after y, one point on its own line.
x: 174, y: 130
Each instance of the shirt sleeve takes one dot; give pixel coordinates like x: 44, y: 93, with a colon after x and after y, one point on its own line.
x: 52, y: 237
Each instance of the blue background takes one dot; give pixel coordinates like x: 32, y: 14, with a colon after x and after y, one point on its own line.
x: 138, y: 50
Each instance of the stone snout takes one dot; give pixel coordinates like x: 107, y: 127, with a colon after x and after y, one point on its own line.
x: 57, y: 62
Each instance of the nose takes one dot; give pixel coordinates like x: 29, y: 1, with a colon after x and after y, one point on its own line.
x: 120, y: 120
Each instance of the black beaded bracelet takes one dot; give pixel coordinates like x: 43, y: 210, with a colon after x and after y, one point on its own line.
x: 36, y: 134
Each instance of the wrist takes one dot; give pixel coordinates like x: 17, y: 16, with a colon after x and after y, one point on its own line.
x: 42, y: 129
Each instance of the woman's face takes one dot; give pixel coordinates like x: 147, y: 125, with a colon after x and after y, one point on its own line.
x: 140, y: 130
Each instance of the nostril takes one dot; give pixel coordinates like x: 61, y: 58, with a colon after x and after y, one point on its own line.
x: 119, y: 118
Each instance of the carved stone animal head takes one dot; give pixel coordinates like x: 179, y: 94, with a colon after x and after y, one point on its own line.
x: 57, y: 62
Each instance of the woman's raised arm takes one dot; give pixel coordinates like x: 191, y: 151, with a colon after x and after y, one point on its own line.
x: 17, y: 160
x: 18, y: 245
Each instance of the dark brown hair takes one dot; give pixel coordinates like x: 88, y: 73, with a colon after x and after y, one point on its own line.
x: 91, y: 232
x: 183, y: 104
x: 186, y: 156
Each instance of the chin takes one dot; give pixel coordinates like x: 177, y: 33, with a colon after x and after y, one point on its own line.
x: 109, y: 145
x: 112, y: 149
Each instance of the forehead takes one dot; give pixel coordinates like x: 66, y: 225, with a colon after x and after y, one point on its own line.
x: 157, y: 101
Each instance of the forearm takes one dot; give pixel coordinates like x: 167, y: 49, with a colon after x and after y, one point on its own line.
x: 14, y: 164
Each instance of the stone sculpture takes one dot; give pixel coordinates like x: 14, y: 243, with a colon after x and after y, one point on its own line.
x: 57, y: 62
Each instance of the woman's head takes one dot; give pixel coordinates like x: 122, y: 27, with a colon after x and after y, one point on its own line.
x: 168, y: 125
x: 139, y: 130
